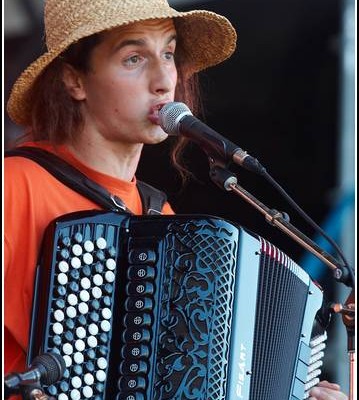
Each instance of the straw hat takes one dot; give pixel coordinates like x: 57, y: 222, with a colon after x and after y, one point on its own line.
x: 208, y: 38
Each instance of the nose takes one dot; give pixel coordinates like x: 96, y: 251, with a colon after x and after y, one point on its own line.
x: 163, y: 77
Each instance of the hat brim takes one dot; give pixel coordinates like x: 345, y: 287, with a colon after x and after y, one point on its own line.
x: 207, y: 39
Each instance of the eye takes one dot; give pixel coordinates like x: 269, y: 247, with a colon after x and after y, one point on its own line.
x: 133, y: 60
x: 169, y: 55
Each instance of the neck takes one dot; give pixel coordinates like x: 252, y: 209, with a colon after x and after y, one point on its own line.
x: 116, y: 159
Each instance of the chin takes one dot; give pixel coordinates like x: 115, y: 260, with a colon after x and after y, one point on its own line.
x: 160, y: 139
x: 157, y: 136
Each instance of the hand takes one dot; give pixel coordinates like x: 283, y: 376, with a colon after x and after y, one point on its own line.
x: 326, y: 391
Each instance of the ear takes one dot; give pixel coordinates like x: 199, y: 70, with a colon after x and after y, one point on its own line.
x: 73, y: 82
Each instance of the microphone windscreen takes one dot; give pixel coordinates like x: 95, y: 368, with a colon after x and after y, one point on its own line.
x: 170, y: 116
x: 52, y: 367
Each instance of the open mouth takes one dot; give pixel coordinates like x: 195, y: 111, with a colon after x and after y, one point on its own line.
x: 153, y: 115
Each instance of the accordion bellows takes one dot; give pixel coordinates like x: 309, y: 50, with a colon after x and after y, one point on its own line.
x: 174, y: 307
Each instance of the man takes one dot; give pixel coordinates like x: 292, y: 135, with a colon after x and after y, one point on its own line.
x: 93, y: 99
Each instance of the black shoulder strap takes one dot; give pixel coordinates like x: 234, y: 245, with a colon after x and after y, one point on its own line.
x: 152, y: 199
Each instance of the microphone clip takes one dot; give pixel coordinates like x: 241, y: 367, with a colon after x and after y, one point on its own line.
x: 222, y: 177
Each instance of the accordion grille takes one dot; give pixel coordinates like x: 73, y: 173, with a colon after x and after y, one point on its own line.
x: 203, y: 297
x: 281, y: 300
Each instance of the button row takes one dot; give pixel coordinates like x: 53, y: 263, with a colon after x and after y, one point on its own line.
x: 138, y: 321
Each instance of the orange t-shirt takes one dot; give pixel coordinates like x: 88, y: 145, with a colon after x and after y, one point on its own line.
x: 32, y: 199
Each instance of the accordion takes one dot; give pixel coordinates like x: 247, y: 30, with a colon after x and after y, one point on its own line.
x: 174, y: 307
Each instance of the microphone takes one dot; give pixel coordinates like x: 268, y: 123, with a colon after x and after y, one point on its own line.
x: 47, y: 368
x: 176, y: 119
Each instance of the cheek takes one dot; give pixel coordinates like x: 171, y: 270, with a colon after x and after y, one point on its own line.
x: 174, y: 76
x: 113, y: 93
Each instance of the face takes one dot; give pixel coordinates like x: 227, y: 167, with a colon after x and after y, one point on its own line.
x: 132, y: 75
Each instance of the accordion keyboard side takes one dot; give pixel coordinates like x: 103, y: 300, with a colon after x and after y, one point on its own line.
x: 74, y: 301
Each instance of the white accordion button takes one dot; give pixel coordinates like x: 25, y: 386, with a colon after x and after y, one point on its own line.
x: 96, y: 292
x: 83, y: 308
x: 78, y: 358
x: 101, y: 243
x: 86, y: 283
x: 67, y: 349
x: 111, y: 264
x: 100, y: 376
x: 105, y: 326
x: 75, y: 394
x: 80, y: 332
x: 63, y: 266
x: 68, y: 361
x: 59, y: 315
x: 71, y: 312
x: 84, y: 295
x: 92, y: 341
x: 75, y: 262
x: 93, y: 329
x: 88, y: 259
x: 62, y: 279
x: 89, y: 379
x: 102, y: 363
x: 109, y: 276
x: 80, y: 345
x: 97, y: 280
x: 76, y: 382
x: 57, y: 328
x: 106, y: 313
x: 87, y: 392
x: 72, y: 299
x: 89, y: 246
x: 77, y: 249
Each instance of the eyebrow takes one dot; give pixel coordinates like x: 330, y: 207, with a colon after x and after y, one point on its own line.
x: 140, y: 42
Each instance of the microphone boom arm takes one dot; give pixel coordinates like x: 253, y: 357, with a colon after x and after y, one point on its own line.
x: 227, y: 180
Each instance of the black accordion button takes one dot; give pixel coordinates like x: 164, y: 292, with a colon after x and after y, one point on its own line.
x: 65, y: 241
x: 135, y: 351
x: 141, y: 272
x: 89, y: 365
x: 130, y: 396
x: 64, y: 386
x: 138, y: 320
x: 133, y: 367
x: 136, y: 336
x: 138, y: 304
x: 138, y: 289
x: 142, y: 256
x: 52, y: 390
x: 132, y: 383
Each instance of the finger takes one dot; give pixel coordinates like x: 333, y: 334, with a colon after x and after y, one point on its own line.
x: 324, y: 393
x: 329, y: 385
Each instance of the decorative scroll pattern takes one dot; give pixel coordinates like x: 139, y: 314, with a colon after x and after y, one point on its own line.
x: 197, y: 296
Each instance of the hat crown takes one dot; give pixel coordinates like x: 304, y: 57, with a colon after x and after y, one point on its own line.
x: 67, y: 20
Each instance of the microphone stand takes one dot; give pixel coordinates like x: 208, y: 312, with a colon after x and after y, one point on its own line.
x: 30, y: 390
x: 226, y: 180
x: 34, y: 392
x: 348, y: 317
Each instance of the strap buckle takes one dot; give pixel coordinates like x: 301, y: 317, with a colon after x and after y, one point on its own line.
x: 118, y: 202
